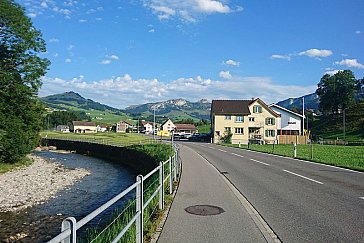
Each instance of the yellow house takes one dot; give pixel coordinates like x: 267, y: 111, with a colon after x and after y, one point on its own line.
x: 83, y: 127
x: 168, y: 125
x: 247, y: 121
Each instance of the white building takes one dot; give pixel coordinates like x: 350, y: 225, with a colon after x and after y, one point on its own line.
x: 290, y: 122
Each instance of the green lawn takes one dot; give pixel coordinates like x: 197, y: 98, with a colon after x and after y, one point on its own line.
x: 5, y: 167
x: 351, y: 157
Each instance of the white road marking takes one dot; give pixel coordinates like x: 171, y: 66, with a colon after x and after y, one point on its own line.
x: 222, y: 150
x: 259, y: 162
x: 361, y: 198
x: 303, y: 177
x: 238, y: 155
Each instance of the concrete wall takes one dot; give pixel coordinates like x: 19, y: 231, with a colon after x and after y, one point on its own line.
x: 137, y: 161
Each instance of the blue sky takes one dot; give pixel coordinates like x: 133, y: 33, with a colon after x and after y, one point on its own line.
x: 130, y: 52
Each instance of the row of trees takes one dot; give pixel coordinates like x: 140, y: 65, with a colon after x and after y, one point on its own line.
x: 64, y: 118
x: 20, y: 78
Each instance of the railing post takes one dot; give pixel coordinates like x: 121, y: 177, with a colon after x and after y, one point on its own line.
x: 161, y: 201
x: 69, y: 223
x: 139, y: 208
x: 311, y: 150
x: 175, y: 165
x: 295, y: 151
x: 170, y: 176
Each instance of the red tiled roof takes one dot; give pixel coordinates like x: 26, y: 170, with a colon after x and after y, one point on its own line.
x: 185, y: 127
x: 83, y: 123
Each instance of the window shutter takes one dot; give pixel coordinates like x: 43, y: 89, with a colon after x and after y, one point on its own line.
x: 274, y: 133
x: 266, y: 133
x: 266, y: 121
x: 273, y: 121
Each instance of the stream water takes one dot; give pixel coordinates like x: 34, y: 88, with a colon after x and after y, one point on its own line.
x: 42, y: 222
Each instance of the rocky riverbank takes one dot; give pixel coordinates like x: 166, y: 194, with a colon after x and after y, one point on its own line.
x: 26, y: 187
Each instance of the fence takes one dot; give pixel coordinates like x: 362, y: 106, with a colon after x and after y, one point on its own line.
x: 112, y: 142
x: 172, y: 166
x: 291, y: 139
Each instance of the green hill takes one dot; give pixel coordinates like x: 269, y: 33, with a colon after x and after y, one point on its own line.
x: 98, y: 112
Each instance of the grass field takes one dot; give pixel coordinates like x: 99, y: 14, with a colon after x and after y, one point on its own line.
x: 351, y: 157
x: 107, y: 136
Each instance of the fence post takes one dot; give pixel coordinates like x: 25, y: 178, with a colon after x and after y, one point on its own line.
x: 175, y: 165
x: 311, y: 150
x: 69, y: 223
x: 161, y: 201
x: 295, y: 151
x: 170, y: 176
x: 139, y: 208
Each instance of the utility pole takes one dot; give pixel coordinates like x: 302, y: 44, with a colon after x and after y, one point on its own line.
x: 303, y: 115
x: 153, y: 124
x: 344, y: 123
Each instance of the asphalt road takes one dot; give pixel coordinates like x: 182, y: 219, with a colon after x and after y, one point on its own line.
x: 300, y: 201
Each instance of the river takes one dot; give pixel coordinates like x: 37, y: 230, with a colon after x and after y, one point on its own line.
x: 42, y: 222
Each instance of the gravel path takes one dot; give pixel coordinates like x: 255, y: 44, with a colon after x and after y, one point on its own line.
x: 35, y: 184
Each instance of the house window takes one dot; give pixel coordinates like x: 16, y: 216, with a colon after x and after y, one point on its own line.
x: 227, y: 129
x: 217, y: 133
x: 239, y: 119
x: 227, y: 117
x: 252, y: 119
x: 270, y: 133
x: 257, y: 109
x: 239, y: 130
x: 270, y: 121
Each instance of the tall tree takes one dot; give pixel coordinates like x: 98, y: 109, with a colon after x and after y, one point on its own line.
x: 337, y: 91
x: 20, y: 79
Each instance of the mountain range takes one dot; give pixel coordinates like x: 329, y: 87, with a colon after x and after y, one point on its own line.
x: 175, y: 109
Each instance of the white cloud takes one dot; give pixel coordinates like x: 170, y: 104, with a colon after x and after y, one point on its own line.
x: 68, y: 60
x: 277, y: 56
x: 70, y: 47
x: 65, y: 11
x: 105, y: 61
x: 232, y: 63
x: 44, y: 5
x: 124, y: 91
x: 53, y: 40
x: 225, y: 75
x: 188, y: 10
x: 82, y: 20
x: 211, y: 6
x: 114, y: 57
x: 358, y: 32
x: 316, y: 53
x: 332, y: 71
x: 32, y: 15
x: 151, y: 31
x: 350, y: 63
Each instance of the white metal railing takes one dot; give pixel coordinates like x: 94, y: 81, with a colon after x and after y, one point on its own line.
x: 70, y: 225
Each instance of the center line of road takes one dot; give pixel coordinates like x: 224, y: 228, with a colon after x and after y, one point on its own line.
x: 259, y: 162
x: 303, y: 177
x: 222, y: 150
x: 237, y: 155
x: 361, y: 198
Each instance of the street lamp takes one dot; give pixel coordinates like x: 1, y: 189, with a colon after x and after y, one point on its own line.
x: 153, y: 124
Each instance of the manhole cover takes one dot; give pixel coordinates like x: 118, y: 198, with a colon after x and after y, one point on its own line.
x: 204, y: 210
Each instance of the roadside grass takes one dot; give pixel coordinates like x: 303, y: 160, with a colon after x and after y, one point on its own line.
x: 152, y: 215
x: 351, y: 157
x: 107, y: 136
x: 5, y: 167
x: 204, y: 128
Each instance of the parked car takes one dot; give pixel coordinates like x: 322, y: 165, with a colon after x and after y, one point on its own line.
x: 202, y: 137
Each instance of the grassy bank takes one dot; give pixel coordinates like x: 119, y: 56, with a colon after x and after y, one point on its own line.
x: 107, y: 136
x: 351, y: 157
x: 152, y: 215
x: 5, y: 167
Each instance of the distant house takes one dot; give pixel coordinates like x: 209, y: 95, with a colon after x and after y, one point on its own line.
x: 290, y: 122
x: 147, y: 127
x: 83, y: 127
x: 185, y: 129
x: 168, y: 125
x: 101, y: 128
x: 63, y: 128
x: 123, y: 126
x: 246, y: 121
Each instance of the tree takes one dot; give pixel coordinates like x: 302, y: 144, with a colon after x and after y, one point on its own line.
x: 337, y: 91
x: 64, y: 118
x: 20, y: 79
